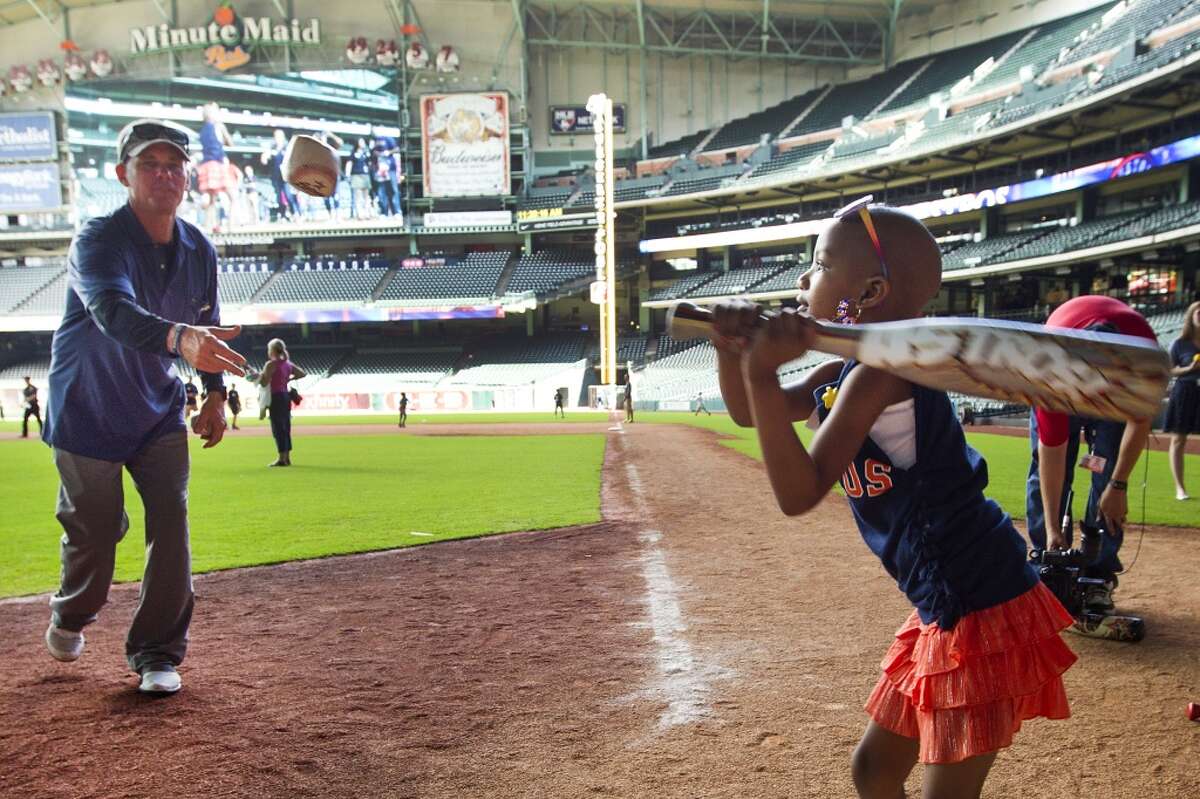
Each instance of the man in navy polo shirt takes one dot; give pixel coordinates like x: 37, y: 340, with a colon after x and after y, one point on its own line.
x: 142, y: 291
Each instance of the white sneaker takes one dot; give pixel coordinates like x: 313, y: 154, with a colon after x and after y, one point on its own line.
x: 1181, y: 496
x: 64, y: 645
x: 160, y: 678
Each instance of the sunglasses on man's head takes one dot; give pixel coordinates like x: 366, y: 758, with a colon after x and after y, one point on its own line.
x: 862, y: 208
x: 150, y: 131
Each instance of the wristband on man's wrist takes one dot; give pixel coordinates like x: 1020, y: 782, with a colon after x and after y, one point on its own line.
x: 175, y: 338
x: 1119, y: 485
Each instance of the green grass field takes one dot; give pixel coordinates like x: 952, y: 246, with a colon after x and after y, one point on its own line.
x: 345, y: 494
x: 414, y: 419
x: 355, y: 493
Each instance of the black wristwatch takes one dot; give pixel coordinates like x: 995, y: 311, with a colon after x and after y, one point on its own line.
x: 1118, y: 485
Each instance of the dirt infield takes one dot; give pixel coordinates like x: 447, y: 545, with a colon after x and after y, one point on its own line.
x: 694, y: 644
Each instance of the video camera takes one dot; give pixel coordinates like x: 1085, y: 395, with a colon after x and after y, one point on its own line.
x: 1061, y: 570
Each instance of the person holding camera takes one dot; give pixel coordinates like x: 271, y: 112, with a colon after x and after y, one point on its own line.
x: 1113, y: 451
x: 278, y: 372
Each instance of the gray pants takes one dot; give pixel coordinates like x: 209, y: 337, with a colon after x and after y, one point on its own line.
x: 91, y: 509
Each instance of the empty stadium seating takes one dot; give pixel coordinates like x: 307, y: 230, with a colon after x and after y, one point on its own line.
x: 1056, y: 240
x: 793, y: 159
x: 545, y: 198
x: 20, y: 283
x: 705, y: 180
x: 737, y: 281
x: 474, y: 277
x: 545, y: 270
x: 984, y: 251
x: 784, y: 280
x: 1042, y: 47
x: 949, y: 67
x: 519, y: 361
x: 412, y: 366
x: 631, y: 349
x: 1140, y: 17
x: 240, y: 278
x: 768, y: 122
x: 50, y: 300
x: 1167, y: 323
x: 37, y: 368
x: 323, y: 281
x: 683, y: 286
x: 676, y: 147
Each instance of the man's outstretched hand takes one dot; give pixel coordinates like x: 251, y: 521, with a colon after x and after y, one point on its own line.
x: 205, y: 349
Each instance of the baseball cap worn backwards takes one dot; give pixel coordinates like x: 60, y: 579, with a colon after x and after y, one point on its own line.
x: 142, y: 133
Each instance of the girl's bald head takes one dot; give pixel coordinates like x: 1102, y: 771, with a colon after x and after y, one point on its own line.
x: 914, y: 261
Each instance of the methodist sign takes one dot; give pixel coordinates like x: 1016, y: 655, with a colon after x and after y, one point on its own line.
x: 28, y: 136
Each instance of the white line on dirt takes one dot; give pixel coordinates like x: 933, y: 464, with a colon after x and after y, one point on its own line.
x: 682, y: 681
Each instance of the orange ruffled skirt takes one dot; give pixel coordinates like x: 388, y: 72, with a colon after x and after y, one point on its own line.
x: 965, y: 692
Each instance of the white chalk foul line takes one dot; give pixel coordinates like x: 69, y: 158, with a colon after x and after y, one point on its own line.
x: 682, y: 681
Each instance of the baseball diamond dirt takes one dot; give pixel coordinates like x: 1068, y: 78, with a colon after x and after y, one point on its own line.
x: 695, y: 643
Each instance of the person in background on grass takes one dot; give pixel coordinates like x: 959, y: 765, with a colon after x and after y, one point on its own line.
x: 141, y: 292
x: 278, y: 372
x: 1113, y: 450
x: 628, y: 400
x: 1183, y: 407
x: 189, y: 393
x: 403, y: 408
x: 31, y: 407
x: 700, y: 404
x: 558, y: 405
x: 235, y: 406
x: 981, y: 651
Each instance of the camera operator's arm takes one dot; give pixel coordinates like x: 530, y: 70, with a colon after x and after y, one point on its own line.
x: 1052, y: 468
x: 1114, y: 502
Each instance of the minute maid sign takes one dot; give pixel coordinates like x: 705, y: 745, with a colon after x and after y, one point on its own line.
x: 226, y: 38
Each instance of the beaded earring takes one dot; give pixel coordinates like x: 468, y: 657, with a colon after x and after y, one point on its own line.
x: 844, y: 315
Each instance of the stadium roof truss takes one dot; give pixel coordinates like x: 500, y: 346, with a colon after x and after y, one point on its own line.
x: 854, y: 33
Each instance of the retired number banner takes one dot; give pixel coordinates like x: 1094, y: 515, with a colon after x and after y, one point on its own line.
x: 464, y: 140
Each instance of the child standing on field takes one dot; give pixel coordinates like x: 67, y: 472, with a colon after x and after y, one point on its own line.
x: 981, y: 651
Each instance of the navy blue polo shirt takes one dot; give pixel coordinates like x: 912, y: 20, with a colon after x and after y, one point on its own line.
x: 107, y: 400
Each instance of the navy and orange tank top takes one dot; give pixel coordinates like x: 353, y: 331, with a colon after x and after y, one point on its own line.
x: 950, y: 549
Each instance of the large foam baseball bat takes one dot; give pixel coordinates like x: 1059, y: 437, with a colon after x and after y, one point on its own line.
x: 1080, y: 372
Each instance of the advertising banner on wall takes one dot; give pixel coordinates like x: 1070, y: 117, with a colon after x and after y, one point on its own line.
x: 28, y: 136
x: 568, y: 119
x: 464, y: 143
x: 27, y: 188
x: 540, y: 220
